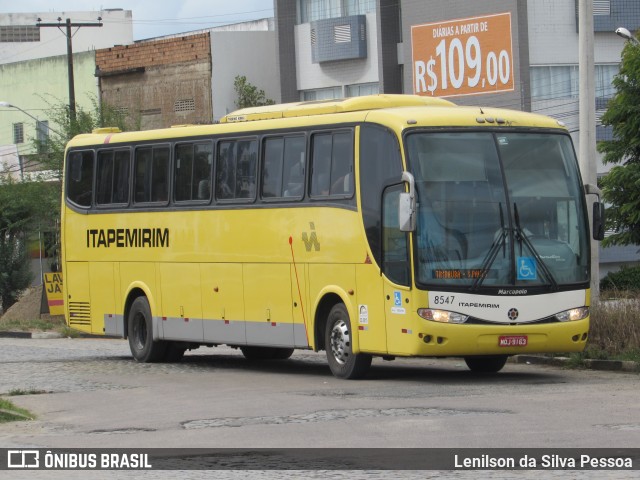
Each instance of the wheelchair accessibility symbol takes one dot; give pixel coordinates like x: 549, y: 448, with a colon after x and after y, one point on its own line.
x: 527, y: 268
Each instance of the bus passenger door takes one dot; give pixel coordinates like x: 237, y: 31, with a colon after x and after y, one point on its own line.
x: 396, y: 269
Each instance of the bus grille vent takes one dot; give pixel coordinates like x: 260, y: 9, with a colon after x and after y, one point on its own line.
x: 79, y: 313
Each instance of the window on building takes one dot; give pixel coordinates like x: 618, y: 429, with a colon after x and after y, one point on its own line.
x: 556, y: 82
x: 311, y: 10
x: 361, y: 89
x: 42, y: 135
x: 18, y: 133
x: 321, y: 94
x: 19, y: 33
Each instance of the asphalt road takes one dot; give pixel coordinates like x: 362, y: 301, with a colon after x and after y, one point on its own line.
x: 96, y: 396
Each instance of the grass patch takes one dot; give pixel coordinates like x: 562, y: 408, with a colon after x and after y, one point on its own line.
x: 10, y: 413
x: 16, y: 392
x: 46, y: 324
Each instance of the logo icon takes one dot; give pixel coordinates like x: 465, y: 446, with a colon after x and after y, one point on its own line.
x: 513, y: 314
x: 23, y: 459
x: 527, y: 268
x: 397, y: 299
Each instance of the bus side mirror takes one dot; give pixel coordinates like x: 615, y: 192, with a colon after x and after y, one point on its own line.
x: 407, y: 205
x: 598, y: 211
x: 598, y: 221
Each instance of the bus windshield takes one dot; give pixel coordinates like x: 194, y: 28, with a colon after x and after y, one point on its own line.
x: 498, y: 209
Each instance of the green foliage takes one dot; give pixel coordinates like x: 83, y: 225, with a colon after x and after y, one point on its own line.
x: 620, y: 185
x: 16, y: 214
x: 34, y: 206
x: 627, y: 278
x: 248, y: 95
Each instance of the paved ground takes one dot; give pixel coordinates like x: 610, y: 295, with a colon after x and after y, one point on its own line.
x: 99, y: 397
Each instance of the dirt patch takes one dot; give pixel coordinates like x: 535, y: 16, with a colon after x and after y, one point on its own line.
x: 27, y: 308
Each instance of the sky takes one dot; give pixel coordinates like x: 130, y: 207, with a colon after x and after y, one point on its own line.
x: 153, y: 18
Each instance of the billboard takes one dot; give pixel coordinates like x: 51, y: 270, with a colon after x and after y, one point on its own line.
x: 468, y: 56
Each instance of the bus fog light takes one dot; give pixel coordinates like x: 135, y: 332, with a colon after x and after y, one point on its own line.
x: 442, y: 316
x: 573, y: 314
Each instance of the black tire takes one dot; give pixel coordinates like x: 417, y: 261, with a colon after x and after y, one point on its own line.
x: 488, y: 364
x: 337, y: 341
x: 140, y: 332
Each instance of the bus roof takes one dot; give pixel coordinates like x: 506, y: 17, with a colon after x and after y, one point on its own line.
x: 340, y: 105
x: 395, y: 111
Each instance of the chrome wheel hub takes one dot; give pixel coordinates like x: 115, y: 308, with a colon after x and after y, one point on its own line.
x: 340, y: 342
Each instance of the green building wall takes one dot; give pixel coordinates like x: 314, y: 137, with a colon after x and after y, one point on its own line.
x: 36, y: 86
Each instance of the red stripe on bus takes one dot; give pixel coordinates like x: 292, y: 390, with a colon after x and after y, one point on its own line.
x: 55, y: 303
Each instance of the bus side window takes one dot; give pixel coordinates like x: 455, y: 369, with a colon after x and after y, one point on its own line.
x: 151, y: 169
x: 112, y: 177
x: 332, y: 164
x: 192, y: 176
x: 236, y: 170
x: 294, y: 166
x: 283, y: 167
x: 80, y: 177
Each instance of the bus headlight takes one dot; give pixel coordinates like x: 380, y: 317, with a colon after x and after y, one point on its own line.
x: 573, y: 314
x: 442, y: 316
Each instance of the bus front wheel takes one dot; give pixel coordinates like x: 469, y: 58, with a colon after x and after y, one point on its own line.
x: 486, y: 364
x: 140, y: 332
x: 338, y: 344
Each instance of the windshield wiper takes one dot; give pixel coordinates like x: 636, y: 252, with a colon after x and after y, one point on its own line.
x: 500, y: 241
x: 522, y: 238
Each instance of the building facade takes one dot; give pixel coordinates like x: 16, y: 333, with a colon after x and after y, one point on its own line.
x: 517, y: 54
x: 21, y: 39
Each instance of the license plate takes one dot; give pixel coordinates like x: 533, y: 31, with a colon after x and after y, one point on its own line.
x: 513, y: 341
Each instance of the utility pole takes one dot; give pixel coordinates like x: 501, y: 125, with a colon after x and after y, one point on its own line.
x: 69, y: 35
x: 588, y: 121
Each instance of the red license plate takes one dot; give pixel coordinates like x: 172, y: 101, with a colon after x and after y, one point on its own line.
x: 513, y: 341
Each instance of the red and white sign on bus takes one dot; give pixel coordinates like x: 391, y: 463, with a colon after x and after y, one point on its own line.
x: 467, y: 56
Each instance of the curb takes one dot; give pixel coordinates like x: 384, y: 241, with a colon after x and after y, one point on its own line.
x: 37, y: 335
x: 590, y: 364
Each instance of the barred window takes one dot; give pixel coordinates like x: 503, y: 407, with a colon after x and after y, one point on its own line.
x: 19, y: 33
x: 18, y: 133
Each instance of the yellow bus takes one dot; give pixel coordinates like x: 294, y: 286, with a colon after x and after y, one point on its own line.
x: 386, y: 225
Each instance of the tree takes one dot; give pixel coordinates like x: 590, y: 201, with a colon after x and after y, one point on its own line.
x: 248, y: 95
x: 15, y: 269
x: 621, y: 186
x: 34, y: 206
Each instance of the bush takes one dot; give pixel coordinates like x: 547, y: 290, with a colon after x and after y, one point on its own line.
x: 627, y: 278
x: 615, y: 328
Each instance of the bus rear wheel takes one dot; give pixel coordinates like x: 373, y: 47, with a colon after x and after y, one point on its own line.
x: 489, y: 364
x: 342, y: 361
x: 140, y: 332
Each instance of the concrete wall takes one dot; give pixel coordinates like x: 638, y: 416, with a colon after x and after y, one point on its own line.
x: 158, y: 83
x: 248, y: 53
x: 331, y: 74
x: 117, y: 29
x: 37, y: 85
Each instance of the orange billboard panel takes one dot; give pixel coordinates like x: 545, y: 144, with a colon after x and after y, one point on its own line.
x: 467, y: 56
